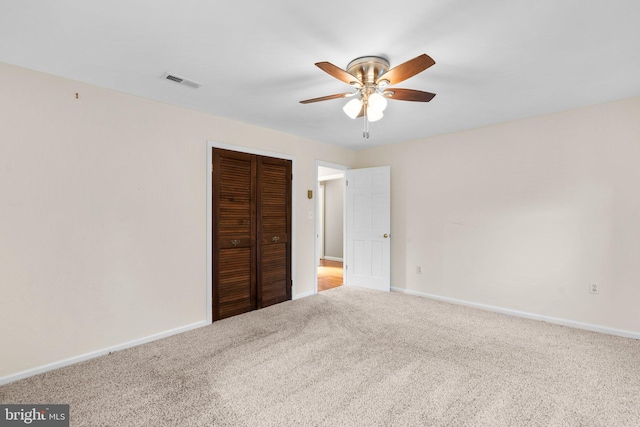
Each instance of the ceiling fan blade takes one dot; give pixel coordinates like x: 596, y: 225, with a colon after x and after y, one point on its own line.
x: 326, y: 98
x: 407, y: 69
x: 338, y: 73
x: 408, y: 95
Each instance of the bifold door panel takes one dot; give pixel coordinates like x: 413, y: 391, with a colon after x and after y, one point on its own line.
x: 274, y: 225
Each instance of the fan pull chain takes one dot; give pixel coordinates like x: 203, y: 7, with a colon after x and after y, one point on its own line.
x: 365, y: 131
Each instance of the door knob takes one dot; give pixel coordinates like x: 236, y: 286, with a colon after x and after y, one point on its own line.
x: 385, y: 235
x: 275, y: 239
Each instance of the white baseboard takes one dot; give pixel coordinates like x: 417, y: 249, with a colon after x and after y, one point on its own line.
x: 303, y: 295
x: 91, y: 355
x: 526, y: 315
x: 332, y: 258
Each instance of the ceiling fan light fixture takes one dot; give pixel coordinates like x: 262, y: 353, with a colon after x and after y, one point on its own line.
x: 377, y: 102
x: 352, y: 108
x: 373, y: 80
x: 373, y: 115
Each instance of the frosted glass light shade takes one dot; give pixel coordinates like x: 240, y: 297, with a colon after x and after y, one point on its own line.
x: 352, y: 108
x: 373, y: 115
x: 377, y: 102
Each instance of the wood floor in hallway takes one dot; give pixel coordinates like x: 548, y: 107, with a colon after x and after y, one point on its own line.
x: 329, y: 275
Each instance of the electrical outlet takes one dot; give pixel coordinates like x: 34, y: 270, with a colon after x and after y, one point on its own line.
x: 593, y: 288
x: 419, y: 269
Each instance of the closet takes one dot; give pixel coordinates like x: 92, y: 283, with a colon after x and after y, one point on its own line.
x: 251, y: 232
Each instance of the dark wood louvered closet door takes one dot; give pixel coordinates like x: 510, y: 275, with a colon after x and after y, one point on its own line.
x: 234, y: 233
x: 251, y: 228
x: 274, y: 227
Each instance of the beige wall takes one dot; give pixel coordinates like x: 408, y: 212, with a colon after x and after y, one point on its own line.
x: 524, y: 215
x: 103, y: 215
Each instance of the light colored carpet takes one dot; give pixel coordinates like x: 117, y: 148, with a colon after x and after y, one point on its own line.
x: 353, y: 357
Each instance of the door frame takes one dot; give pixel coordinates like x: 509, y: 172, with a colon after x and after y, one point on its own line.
x: 343, y: 168
x: 319, y: 221
x: 210, y: 146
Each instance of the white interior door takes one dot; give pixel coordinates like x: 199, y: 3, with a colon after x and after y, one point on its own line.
x: 368, y: 234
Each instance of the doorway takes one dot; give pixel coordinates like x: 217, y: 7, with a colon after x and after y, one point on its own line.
x: 251, y: 228
x: 330, y: 191
x: 211, y: 259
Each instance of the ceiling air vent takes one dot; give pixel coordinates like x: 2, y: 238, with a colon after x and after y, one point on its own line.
x: 181, y: 80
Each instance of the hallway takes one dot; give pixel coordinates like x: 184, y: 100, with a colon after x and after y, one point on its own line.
x: 329, y: 275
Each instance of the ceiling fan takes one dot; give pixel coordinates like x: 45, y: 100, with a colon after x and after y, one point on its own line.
x: 371, y: 77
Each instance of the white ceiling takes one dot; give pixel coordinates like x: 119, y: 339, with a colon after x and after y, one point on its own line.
x: 496, y: 60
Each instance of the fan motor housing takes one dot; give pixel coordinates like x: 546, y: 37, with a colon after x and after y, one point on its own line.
x: 368, y: 68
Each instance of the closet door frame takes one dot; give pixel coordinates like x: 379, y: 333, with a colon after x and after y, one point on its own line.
x: 209, y: 178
